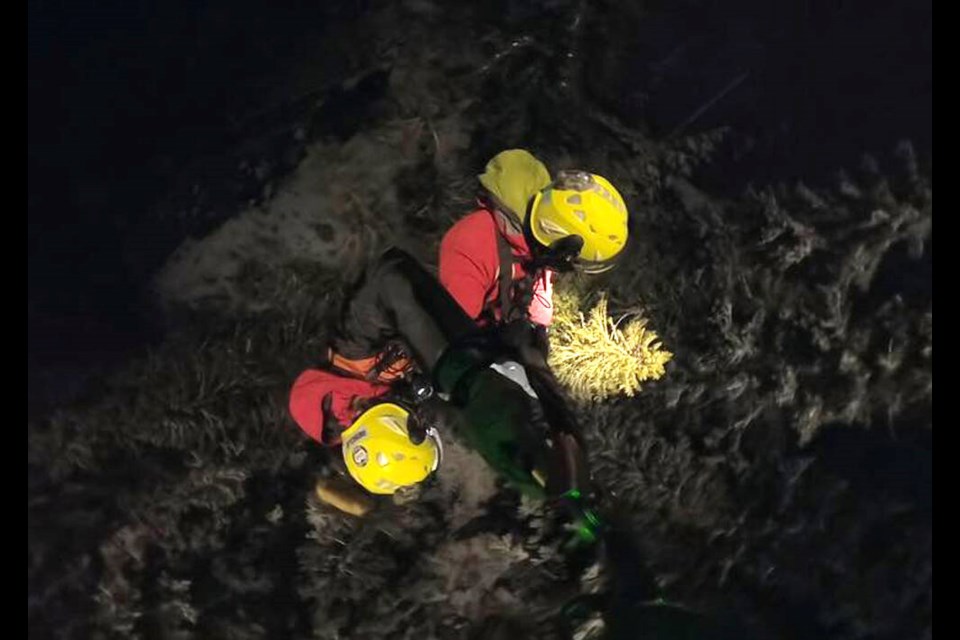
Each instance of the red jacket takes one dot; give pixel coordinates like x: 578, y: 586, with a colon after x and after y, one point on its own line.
x: 470, y: 267
x: 309, y: 390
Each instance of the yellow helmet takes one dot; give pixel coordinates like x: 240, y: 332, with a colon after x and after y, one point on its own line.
x: 379, y: 454
x: 586, y: 205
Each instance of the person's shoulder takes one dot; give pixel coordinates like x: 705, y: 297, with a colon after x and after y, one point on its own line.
x: 472, y: 244
x: 472, y: 227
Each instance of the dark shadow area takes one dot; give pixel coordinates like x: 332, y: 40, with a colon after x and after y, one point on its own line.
x: 880, y: 463
x: 804, y: 87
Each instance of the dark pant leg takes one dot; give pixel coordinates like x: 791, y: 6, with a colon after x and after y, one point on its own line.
x: 398, y: 300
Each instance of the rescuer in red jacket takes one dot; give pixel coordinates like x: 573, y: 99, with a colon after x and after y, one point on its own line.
x: 499, y: 262
x: 393, y: 328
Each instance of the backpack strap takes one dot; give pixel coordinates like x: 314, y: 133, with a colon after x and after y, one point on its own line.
x: 507, y: 261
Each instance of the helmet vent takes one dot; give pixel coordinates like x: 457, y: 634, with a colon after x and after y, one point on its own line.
x: 580, y: 213
x: 382, y: 459
x: 616, y: 203
x: 574, y: 199
x: 393, y: 423
x: 613, y: 237
x: 550, y: 227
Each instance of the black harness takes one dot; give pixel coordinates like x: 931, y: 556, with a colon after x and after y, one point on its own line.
x: 515, y: 296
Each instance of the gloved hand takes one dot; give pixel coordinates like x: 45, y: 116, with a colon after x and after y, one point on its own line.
x: 561, y: 256
x: 415, y: 429
x: 501, y: 427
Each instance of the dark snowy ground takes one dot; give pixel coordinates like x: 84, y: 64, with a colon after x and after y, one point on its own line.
x: 780, y: 474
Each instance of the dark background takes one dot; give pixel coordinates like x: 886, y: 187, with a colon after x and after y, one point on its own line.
x: 123, y: 95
